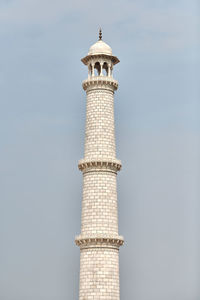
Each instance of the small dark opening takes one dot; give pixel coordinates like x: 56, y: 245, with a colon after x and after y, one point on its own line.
x: 97, y: 69
x: 105, y: 69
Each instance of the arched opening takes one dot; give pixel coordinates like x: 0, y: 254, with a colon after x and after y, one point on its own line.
x: 105, y: 69
x: 97, y: 69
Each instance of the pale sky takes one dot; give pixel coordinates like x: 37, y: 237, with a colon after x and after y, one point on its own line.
x: 42, y: 119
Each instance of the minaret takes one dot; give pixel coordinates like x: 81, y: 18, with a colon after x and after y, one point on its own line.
x: 99, y: 241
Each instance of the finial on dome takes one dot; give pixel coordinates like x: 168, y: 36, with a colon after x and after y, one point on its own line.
x: 100, y: 34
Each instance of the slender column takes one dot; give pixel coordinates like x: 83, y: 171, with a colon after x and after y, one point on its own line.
x: 111, y: 71
x: 92, y: 69
x: 109, y: 66
x: 101, y: 68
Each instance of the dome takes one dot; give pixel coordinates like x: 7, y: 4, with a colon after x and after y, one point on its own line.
x: 100, y: 48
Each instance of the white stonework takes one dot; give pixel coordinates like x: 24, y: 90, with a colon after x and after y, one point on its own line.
x: 99, y: 240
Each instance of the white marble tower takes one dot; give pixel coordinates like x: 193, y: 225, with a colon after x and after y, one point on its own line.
x: 99, y: 241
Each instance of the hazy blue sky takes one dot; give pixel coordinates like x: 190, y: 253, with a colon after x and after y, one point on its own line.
x: 42, y: 117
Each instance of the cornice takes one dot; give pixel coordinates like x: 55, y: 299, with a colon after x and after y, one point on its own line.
x: 90, y: 57
x: 99, y: 241
x: 99, y: 165
x: 103, y: 82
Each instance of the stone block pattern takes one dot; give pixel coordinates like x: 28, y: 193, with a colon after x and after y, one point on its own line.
x: 99, y: 134
x: 99, y: 277
x: 99, y: 204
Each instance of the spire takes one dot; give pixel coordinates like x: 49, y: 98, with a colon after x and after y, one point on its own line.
x: 100, y: 34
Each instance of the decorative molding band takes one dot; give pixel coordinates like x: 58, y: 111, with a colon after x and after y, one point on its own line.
x: 99, y: 242
x: 93, y: 57
x: 104, y: 82
x: 99, y: 165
